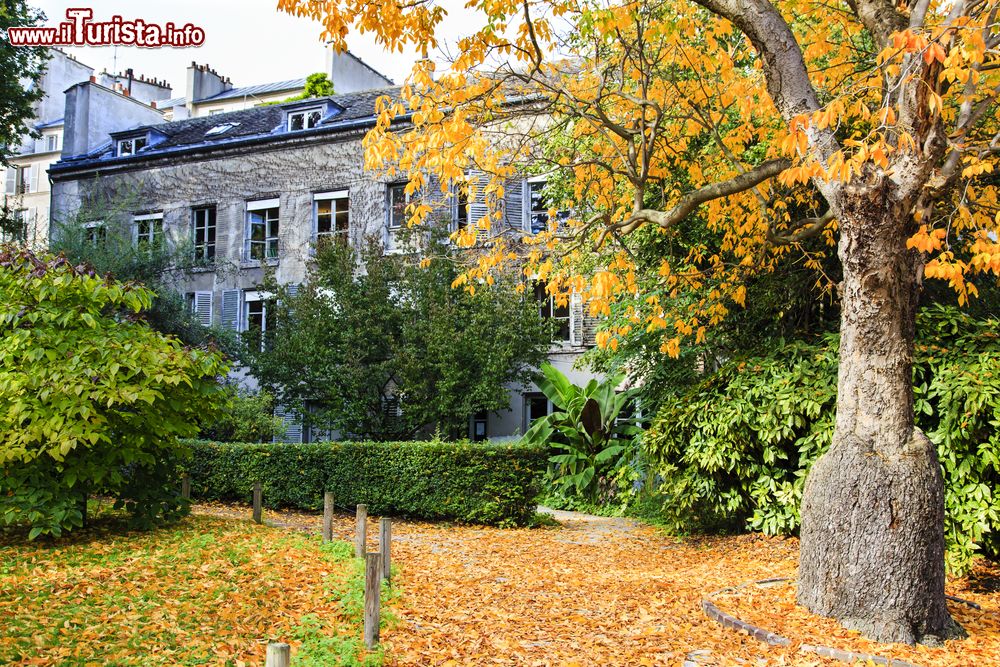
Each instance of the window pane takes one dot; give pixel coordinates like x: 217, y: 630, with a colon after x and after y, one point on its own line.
x: 313, y: 118
x: 296, y: 121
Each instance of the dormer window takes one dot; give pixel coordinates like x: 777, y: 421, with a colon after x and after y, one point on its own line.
x: 131, y: 146
x: 304, y: 119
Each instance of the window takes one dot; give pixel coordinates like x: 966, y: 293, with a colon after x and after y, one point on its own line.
x: 17, y: 227
x: 304, y: 120
x: 204, y: 233
x: 258, y: 320
x: 332, y: 210
x: 480, y: 426
x: 23, y: 181
x: 131, y: 146
x: 199, y: 304
x: 397, y: 201
x: 550, y: 310
x: 213, y: 112
x: 221, y: 129
x: 461, y: 212
x: 538, y: 207
x: 148, y: 229
x: 94, y: 232
x: 262, y: 233
x: 535, y: 406
x: 52, y: 142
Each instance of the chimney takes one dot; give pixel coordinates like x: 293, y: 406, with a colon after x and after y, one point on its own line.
x: 204, y: 82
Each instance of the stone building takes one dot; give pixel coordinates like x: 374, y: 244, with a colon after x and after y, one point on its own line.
x: 256, y: 188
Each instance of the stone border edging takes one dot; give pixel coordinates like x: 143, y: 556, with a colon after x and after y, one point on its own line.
x: 772, y: 639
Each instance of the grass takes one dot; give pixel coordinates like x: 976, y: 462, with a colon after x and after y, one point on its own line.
x: 204, y: 591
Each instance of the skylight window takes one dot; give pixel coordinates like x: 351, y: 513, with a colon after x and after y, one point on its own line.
x: 221, y: 129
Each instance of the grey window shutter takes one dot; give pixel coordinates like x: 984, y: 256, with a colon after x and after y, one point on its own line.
x: 514, y: 204
x: 575, y: 320
x: 292, y: 422
x: 231, y: 309
x: 11, y: 187
x: 203, y: 307
x: 477, y: 207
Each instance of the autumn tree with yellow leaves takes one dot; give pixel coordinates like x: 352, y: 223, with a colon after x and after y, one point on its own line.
x: 868, y: 124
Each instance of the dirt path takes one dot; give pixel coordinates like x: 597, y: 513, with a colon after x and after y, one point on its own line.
x: 594, y: 591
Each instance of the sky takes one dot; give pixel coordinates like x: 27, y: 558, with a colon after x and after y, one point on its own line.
x: 249, y: 41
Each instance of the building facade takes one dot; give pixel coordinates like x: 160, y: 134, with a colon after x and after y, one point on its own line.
x: 254, y: 190
x: 26, y: 184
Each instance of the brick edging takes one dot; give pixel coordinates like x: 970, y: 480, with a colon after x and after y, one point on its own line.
x: 772, y: 639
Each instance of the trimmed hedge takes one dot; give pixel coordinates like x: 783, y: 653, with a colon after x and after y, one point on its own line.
x: 492, y: 484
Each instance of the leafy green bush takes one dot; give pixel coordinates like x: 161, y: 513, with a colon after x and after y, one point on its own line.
x: 91, y: 399
x: 738, y: 446
x: 248, y: 416
x: 475, y: 483
x: 585, y: 428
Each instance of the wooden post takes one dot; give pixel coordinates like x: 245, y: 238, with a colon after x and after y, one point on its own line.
x: 258, y: 502
x: 186, y: 486
x: 385, y: 545
x: 279, y: 654
x: 360, y: 531
x: 373, y: 586
x: 328, y: 516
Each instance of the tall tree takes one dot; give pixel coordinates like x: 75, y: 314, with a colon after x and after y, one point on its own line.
x: 869, y: 124
x: 21, y: 69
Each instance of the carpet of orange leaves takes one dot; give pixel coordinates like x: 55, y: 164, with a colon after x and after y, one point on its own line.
x: 608, y: 592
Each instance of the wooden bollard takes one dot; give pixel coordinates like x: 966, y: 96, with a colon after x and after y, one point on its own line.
x: 279, y: 654
x: 186, y: 487
x: 258, y: 503
x: 328, y: 516
x: 361, y: 531
x: 373, y: 587
x: 385, y: 546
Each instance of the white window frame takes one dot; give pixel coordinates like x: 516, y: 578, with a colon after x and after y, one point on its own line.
x: 206, y: 245
x: 333, y: 197
x: 306, y: 116
x: 24, y: 178
x: 526, y: 414
x: 271, y: 235
x: 551, y: 304
x: 91, y: 235
x: 389, y: 188
x: 51, y: 142
x: 133, y: 144
x: 253, y: 298
x: 155, y: 231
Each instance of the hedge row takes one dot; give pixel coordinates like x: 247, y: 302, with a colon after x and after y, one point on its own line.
x: 474, y: 483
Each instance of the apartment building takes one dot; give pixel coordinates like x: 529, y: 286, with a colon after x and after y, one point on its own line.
x: 256, y: 189
x: 26, y: 184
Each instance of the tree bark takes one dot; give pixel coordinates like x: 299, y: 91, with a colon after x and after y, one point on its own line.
x: 872, y: 547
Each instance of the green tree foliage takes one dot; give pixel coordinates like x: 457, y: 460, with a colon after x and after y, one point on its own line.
x: 584, y: 428
x: 739, y: 444
x: 248, y: 416
x: 21, y: 69
x: 393, y: 349
x: 92, y: 400
x: 318, y: 84
x: 112, y: 249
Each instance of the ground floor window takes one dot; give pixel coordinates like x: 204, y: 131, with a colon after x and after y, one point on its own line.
x: 479, y: 429
x: 535, y: 405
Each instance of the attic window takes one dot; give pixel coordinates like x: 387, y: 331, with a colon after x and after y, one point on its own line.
x: 221, y: 129
x: 304, y: 120
x: 131, y: 146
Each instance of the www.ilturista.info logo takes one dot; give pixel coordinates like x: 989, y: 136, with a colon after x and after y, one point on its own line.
x: 79, y: 30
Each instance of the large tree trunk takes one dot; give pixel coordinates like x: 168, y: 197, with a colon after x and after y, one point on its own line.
x: 872, y: 553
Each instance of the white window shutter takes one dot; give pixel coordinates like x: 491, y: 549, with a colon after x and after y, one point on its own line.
x: 26, y: 177
x: 477, y: 207
x: 34, y: 178
x: 575, y: 319
x: 292, y: 422
x: 11, y: 187
x: 203, y: 307
x: 231, y: 309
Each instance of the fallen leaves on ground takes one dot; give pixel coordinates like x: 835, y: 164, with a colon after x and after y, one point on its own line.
x: 600, y: 591
x: 206, y: 591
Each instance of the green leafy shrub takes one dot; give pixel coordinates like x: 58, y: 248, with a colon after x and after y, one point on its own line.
x: 91, y: 399
x: 738, y: 446
x: 470, y: 482
x: 248, y: 417
x: 584, y: 428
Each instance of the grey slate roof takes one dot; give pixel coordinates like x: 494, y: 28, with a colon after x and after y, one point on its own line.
x: 258, y: 123
x: 256, y: 91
